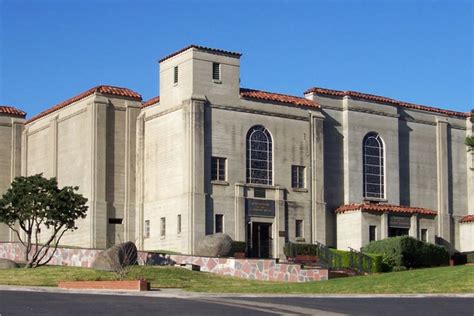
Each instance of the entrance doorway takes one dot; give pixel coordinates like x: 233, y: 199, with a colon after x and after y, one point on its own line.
x: 259, y: 240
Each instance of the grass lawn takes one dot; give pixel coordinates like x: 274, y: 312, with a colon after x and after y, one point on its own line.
x: 459, y: 279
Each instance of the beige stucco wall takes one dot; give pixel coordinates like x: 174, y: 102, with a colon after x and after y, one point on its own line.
x: 349, y: 233
x: 89, y: 144
x: 467, y: 236
x: 10, y: 159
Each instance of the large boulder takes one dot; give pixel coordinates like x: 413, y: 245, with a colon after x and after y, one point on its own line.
x: 7, y: 264
x: 217, y: 245
x: 116, y: 257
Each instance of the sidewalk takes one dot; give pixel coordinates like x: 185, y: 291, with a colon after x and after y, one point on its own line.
x: 179, y: 293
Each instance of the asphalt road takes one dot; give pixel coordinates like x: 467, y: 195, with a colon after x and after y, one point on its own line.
x: 39, y: 303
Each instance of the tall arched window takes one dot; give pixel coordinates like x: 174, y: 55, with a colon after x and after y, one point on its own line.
x: 259, y: 156
x: 374, y: 173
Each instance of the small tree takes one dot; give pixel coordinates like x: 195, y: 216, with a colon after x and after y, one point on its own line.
x: 470, y: 143
x: 34, y: 202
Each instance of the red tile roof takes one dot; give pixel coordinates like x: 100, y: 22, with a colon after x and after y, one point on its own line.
x: 380, y: 99
x: 207, y: 49
x: 277, y: 97
x: 151, y: 102
x: 5, y: 109
x: 108, y: 90
x: 467, y: 219
x: 382, y: 208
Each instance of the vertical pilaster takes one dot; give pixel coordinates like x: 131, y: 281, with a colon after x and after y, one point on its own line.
x: 53, y: 129
x: 140, y: 178
x: 24, y: 150
x: 98, y: 167
x: 279, y: 223
x: 240, y: 221
x: 318, y: 232
x: 129, y: 212
x: 16, y: 160
x: 194, y: 156
x: 470, y: 166
x: 384, y: 226
x: 444, y: 216
x: 413, y: 232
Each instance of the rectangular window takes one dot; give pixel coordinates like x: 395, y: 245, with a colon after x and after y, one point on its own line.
x: 147, y: 229
x: 115, y: 221
x: 298, y: 177
x: 219, y: 223
x: 175, y: 74
x: 259, y: 193
x: 424, y: 235
x: 299, y: 228
x: 216, y: 71
x: 372, y: 233
x: 163, y: 226
x: 179, y: 224
x: 218, y: 168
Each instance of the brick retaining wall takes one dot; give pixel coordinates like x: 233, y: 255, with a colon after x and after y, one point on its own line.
x: 252, y: 269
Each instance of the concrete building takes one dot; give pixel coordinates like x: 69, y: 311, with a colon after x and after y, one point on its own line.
x: 338, y: 167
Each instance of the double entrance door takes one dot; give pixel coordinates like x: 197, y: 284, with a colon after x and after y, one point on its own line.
x: 259, y: 241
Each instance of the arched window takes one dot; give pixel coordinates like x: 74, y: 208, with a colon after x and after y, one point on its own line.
x: 259, y: 156
x: 374, y: 172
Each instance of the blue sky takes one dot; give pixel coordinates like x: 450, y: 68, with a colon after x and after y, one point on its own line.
x: 416, y: 51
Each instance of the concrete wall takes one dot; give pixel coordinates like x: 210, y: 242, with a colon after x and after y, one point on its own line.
x: 89, y: 144
x: 349, y: 230
x: 10, y: 159
x: 164, y: 192
x: 466, y: 237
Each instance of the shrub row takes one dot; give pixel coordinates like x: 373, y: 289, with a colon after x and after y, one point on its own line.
x: 409, y: 252
x: 341, y: 259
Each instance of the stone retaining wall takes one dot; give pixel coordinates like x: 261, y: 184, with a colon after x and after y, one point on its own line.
x: 252, y: 269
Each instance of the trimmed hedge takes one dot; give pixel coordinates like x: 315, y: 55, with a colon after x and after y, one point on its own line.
x: 377, y: 264
x: 409, y: 252
x: 470, y: 257
x: 238, y: 246
x: 294, y: 249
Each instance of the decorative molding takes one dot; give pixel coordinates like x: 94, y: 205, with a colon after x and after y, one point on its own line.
x: 165, y: 112
x: 258, y: 112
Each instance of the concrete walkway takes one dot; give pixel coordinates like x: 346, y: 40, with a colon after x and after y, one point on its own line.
x: 179, y: 293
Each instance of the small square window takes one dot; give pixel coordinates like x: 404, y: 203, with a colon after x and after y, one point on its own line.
x: 175, y: 74
x: 115, y: 221
x: 216, y: 71
x: 259, y: 193
x: 147, y: 229
x: 372, y: 233
x: 298, y: 177
x: 219, y: 218
x: 218, y: 169
x: 179, y: 224
x: 163, y: 227
x: 424, y: 235
x: 299, y: 228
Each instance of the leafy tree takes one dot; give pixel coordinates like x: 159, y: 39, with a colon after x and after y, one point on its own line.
x: 33, y: 203
x: 470, y: 143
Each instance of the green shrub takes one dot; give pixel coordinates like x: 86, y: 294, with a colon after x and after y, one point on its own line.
x: 399, y: 268
x: 293, y: 249
x: 376, y: 264
x: 238, y: 246
x: 470, y: 257
x: 409, y: 252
